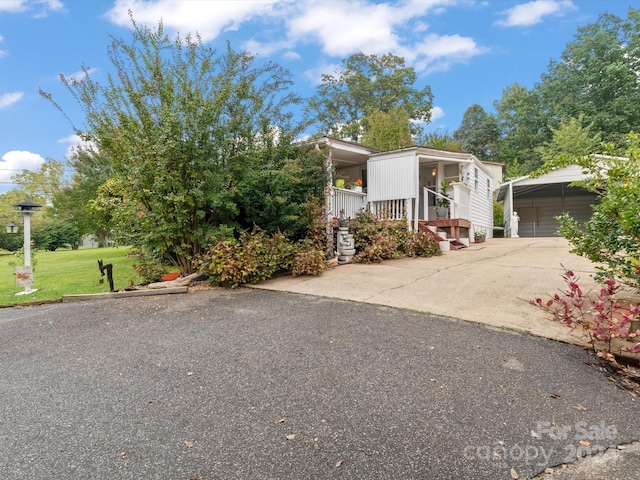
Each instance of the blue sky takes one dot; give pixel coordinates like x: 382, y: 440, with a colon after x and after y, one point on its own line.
x: 467, y: 51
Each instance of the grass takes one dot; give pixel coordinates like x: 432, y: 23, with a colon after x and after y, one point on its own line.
x: 67, y: 272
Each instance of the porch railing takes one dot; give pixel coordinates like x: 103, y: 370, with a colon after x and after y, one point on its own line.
x: 394, y: 209
x: 349, y: 201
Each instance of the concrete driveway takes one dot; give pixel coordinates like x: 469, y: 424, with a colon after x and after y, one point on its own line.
x: 489, y: 283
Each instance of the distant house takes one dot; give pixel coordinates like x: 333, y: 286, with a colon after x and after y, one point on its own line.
x: 537, y: 201
x: 405, y: 183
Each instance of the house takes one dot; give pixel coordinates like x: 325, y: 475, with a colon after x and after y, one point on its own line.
x: 537, y: 201
x: 404, y: 184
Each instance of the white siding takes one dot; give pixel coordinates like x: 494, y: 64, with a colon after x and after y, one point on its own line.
x: 481, y: 199
x: 392, y: 177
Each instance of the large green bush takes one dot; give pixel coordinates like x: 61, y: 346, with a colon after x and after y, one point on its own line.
x: 611, y: 237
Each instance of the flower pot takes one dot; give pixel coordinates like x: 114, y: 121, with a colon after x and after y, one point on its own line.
x: 356, y: 188
x: 442, y: 212
x: 340, y: 183
x: 480, y: 239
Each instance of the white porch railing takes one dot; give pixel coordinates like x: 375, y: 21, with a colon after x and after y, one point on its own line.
x: 459, y: 204
x: 394, y: 209
x: 349, y: 201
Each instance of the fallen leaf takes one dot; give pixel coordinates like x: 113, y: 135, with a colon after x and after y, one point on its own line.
x: 281, y: 420
x: 514, y: 474
x: 291, y: 436
x: 549, y: 470
x: 122, y: 454
x: 534, y: 434
x: 189, y: 374
x: 581, y: 407
x: 621, y: 447
x: 188, y: 444
x: 339, y: 463
x: 584, y: 443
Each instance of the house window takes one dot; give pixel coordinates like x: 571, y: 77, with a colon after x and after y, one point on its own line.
x: 488, y: 188
x: 476, y: 178
x: 364, y: 179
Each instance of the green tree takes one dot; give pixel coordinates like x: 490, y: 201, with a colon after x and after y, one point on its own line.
x: 571, y: 143
x: 91, y: 169
x: 611, y: 237
x: 523, y: 127
x: 388, y: 131
x: 597, y: 76
x: 478, y: 133
x: 41, y: 186
x: 55, y: 233
x: 366, y: 84
x: 444, y: 141
x: 182, y: 125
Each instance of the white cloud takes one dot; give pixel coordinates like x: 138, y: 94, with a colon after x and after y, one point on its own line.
x: 16, y: 161
x: 2, y: 52
x: 437, y: 113
x: 75, y: 143
x: 7, y: 99
x: 43, y: 6
x: 387, y: 28
x: 530, y: 13
x: 191, y: 16
x: 314, y: 75
x: 13, y: 6
x: 339, y: 28
x: 81, y: 74
x: 440, y: 52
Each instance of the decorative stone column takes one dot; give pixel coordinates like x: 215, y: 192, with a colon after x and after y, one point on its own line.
x: 346, y: 242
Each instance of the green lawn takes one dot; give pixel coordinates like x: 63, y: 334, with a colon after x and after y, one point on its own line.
x: 67, y: 272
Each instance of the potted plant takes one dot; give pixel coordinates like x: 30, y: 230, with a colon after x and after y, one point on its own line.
x: 340, y: 180
x: 479, y: 236
x: 357, y: 185
x: 442, y: 201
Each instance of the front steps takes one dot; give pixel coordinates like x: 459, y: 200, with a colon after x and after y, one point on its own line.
x: 446, y: 241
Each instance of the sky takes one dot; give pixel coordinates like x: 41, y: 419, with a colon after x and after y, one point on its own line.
x: 467, y: 51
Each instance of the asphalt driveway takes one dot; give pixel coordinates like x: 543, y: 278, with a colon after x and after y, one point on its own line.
x: 254, y: 384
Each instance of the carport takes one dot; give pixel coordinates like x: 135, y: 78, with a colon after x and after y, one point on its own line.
x: 538, y: 201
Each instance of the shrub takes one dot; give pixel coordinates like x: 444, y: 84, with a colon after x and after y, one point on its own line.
x: 381, y: 240
x: 150, y: 268
x: 253, y: 257
x: 383, y: 247
x: 421, y: 244
x: 601, y: 317
x: 309, y: 260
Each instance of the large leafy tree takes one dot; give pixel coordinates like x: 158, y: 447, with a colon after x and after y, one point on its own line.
x: 597, y: 76
x: 181, y: 125
x: 523, y: 127
x: 388, y: 131
x: 363, y: 85
x: 571, y: 143
x: 92, y: 168
x: 478, y: 133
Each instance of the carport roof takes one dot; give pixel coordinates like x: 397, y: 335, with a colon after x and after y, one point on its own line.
x: 565, y: 175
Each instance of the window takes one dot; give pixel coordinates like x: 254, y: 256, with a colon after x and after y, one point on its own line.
x: 488, y: 188
x: 476, y: 177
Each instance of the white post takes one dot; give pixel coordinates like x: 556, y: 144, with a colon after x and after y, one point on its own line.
x: 27, y: 239
x: 24, y: 275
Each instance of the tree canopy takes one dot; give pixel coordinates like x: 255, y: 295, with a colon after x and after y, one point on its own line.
x: 182, y: 126
x: 367, y: 84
